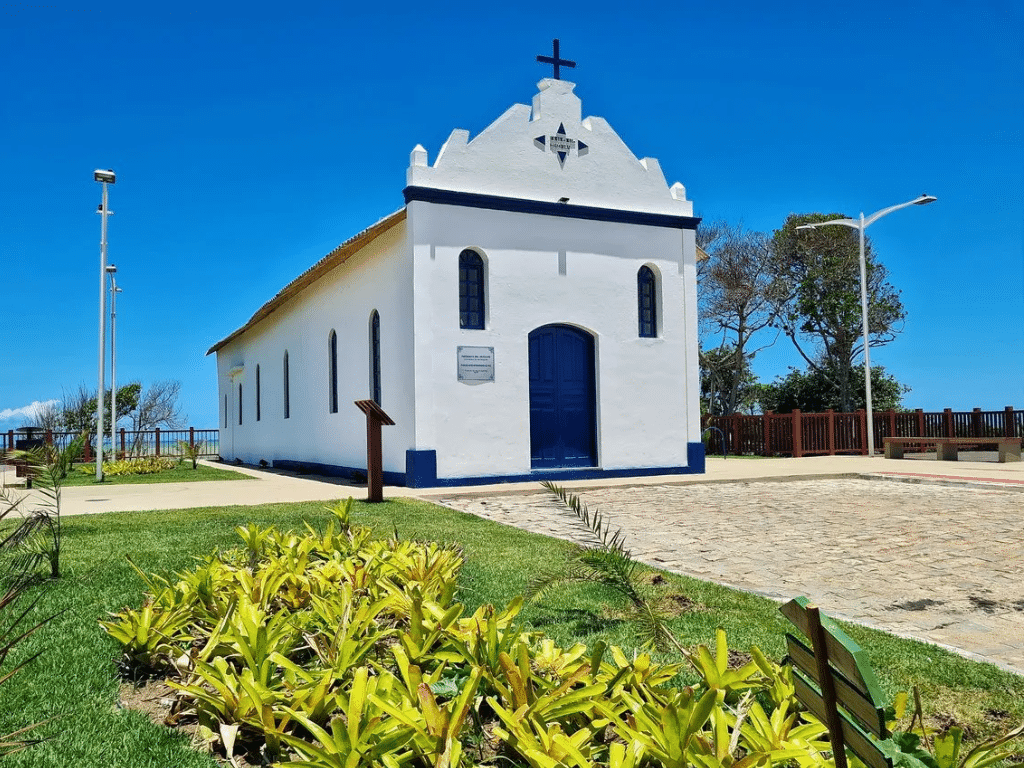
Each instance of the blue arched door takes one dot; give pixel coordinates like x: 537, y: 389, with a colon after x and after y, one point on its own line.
x: 562, y: 398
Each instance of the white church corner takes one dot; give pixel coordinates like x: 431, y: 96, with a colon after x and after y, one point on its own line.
x: 531, y: 315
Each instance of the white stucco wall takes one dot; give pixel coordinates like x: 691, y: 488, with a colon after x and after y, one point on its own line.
x: 377, y: 277
x: 541, y: 269
x: 644, y: 415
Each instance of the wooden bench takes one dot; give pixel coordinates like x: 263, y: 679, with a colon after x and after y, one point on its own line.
x: 834, y: 681
x: 947, y: 448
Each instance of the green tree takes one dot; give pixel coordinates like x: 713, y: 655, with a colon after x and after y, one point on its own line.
x: 818, y: 298
x: 735, y: 288
x: 727, y: 384
x: 78, y: 411
x: 815, y: 391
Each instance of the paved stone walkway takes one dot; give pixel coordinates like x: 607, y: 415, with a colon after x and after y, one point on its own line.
x: 936, y: 562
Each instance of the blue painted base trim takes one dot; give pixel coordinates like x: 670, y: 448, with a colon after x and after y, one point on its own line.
x: 695, y: 457
x: 590, y: 473
x: 420, y: 469
x: 334, y: 470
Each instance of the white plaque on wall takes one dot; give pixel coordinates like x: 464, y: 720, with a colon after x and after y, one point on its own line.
x: 476, y: 364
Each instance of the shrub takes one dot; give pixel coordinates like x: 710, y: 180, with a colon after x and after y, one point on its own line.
x: 192, y: 451
x: 38, y: 536
x: 147, y: 465
x: 331, y: 648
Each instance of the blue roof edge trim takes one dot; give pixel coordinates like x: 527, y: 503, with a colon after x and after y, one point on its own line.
x: 542, y: 208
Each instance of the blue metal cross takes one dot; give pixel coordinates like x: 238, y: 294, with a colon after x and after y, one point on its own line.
x: 556, y: 60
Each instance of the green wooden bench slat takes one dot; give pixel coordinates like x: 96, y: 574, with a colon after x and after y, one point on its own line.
x: 867, y: 712
x: 858, y: 741
x: 843, y: 652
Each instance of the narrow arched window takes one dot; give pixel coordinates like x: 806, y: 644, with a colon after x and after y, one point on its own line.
x: 647, y: 305
x: 471, y: 290
x: 375, y: 356
x: 257, y: 393
x: 332, y: 372
x: 287, y: 403
x: 239, y: 404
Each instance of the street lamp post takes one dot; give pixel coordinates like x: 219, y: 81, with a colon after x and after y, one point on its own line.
x: 114, y: 290
x: 104, y: 177
x: 861, y: 224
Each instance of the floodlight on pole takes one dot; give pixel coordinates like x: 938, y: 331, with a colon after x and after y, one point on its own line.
x: 114, y: 290
x: 103, y: 177
x: 861, y: 224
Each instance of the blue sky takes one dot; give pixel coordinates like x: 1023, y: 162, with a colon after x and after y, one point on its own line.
x: 249, y: 140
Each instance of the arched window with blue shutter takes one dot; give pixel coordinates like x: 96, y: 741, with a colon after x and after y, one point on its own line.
x: 471, y: 290
x: 647, y: 302
x: 287, y: 399
x: 375, y: 356
x: 332, y: 371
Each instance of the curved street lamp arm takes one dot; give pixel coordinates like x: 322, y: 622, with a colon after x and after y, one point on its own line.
x: 854, y: 223
x: 920, y: 200
x: 869, y: 220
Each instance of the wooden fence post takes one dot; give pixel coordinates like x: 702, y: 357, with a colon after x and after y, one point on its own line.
x: 798, y: 433
x: 766, y: 424
x: 122, y: 443
x: 158, y: 441
x: 862, y: 419
x: 975, y: 423
x: 191, y: 438
x: 892, y: 423
x: 947, y: 423
x: 831, y: 436
x: 1008, y: 426
x: 48, y: 437
x: 920, y: 424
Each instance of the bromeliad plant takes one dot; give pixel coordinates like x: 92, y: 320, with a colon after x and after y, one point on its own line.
x: 331, y: 648
x: 918, y: 746
x: 145, y: 465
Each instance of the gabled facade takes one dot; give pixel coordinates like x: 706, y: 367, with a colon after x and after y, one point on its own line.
x: 529, y: 313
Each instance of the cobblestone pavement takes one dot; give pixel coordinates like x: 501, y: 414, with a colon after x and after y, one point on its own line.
x: 940, y: 563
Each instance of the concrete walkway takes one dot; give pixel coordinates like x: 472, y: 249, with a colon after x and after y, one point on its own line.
x: 937, y: 555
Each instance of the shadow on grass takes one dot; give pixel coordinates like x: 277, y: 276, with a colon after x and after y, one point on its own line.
x: 576, y: 620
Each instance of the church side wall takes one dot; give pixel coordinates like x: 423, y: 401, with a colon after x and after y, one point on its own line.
x: 543, y: 270
x: 377, y: 277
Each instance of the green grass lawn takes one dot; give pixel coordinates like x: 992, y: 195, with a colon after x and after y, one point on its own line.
x: 85, y: 474
x: 75, y: 679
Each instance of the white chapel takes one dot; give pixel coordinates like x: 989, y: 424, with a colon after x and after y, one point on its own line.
x: 530, y: 313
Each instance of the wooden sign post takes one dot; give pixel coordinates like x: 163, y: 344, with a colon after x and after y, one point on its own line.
x: 837, y: 685
x: 375, y: 418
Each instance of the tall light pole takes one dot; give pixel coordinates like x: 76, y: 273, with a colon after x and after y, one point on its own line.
x: 104, y: 177
x: 861, y: 224
x: 114, y: 290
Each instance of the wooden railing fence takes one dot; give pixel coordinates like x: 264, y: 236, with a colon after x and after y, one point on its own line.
x: 153, y: 442
x: 808, y: 434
